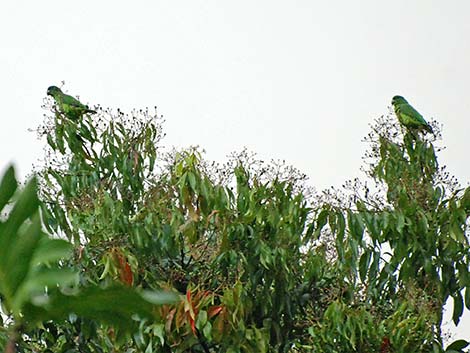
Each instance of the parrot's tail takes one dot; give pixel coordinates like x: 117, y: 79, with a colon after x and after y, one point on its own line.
x: 90, y: 111
x: 428, y: 128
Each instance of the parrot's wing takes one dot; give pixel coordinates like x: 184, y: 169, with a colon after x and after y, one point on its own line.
x: 411, y: 114
x: 71, y: 101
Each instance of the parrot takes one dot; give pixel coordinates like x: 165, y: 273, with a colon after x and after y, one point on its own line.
x: 408, y: 116
x: 68, y: 105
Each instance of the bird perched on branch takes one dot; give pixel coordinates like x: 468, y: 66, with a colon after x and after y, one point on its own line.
x: 68, y: 105
x: 408, y: 116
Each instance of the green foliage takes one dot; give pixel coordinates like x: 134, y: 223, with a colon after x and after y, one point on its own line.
x: 414, y: 236
x: 259, y: 264
x: 27, y: 256
x: 36, y: 288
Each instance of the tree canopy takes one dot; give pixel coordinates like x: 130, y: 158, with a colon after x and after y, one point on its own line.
x: 257, y: 261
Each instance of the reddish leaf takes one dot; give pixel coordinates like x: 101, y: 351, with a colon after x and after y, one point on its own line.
x: 193, y: 325
x: 125, y: 271
x: 126, y: 274
x: 385, y: 346
x: 190, y: 312
x: 214, y: 310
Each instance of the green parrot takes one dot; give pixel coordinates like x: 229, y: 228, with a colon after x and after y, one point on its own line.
x: 408, y: 116
x: 68, y: 105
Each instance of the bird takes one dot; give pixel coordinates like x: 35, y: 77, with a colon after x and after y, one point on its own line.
x: 68, y: 105
x: 408, y: 116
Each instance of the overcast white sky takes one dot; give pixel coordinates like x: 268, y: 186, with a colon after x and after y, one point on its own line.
x: 293, y: 80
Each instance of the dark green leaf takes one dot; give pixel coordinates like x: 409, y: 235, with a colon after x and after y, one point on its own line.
x: 364, y: 265
x: 322, y: 218
x: 192, y: 180
x: 457, y: 345
x: 8, y: 186
x: 458, y: 308
x: 467, y: 297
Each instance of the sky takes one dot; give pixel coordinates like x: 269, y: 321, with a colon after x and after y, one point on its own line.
x: 294, y: 80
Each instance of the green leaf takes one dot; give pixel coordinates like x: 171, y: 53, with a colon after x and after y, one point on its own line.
x: 51, y: 250
x: 115, y: 306
x: 161, y: 297
x: 85, y: 133
x: 466, y: 199
x: 356, y: 225
x: 457, y: 233
x: 309, y: 232
x: 17, y: 261
x: 467, y: 297
x: 407, y: 269
x: 149, y: 348
x: 159, y: 331
x: 8, y: 186
x: 207, y: 331
x: 436, y: 347
x: 400, y: 223
x: 322, y: 219
x: 51, y: 142
x: 438, y: 193
x: 192, y: 180
x: 458, y: 308
x: 364, y: 265
x: 457, y: 345
x: 39, y: 280
x: 201, y: 319
x: 25, y: 207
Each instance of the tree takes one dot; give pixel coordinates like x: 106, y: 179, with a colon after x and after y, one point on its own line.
x: 407, y: 244
x: 261, y: 264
